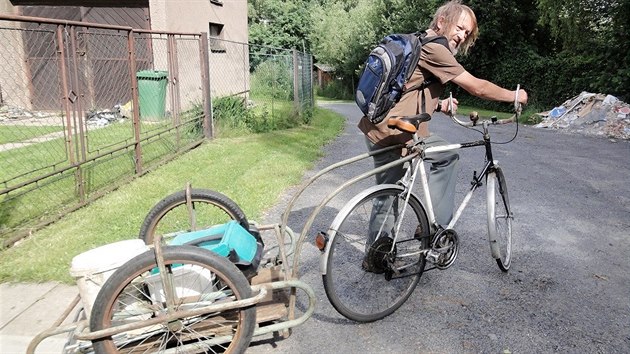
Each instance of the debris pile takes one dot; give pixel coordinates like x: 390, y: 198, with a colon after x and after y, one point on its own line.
x: 93, y: 118
x: 590, y: 114
x: 8, y: 113
x: 103, y: 118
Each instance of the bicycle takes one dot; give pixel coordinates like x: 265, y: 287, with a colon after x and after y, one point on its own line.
x: 368, y: 280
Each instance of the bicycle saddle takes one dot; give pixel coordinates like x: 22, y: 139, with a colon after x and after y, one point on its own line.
x: 408, y: 124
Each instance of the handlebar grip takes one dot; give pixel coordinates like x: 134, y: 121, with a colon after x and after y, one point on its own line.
x: 517, y: 105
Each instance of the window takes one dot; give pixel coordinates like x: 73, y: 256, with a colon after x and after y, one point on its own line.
x: 215, y: 35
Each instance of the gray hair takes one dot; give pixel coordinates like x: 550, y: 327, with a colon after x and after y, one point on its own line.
x: 450, y: 13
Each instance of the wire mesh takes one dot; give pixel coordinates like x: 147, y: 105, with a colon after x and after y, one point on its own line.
x: 274, y: 84
x: 68, y: 128
x: 84, y: 109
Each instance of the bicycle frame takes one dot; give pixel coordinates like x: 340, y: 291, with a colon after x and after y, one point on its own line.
x: 476, y: 182
x: 417, y: 165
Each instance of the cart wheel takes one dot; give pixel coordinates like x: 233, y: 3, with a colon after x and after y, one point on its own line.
x: 173, y: 214
x: 198, y: 278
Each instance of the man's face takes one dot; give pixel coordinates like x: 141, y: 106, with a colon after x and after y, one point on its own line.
x: 458, y: 33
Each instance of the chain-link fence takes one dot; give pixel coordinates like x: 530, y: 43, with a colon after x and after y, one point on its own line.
x: 277, y: 88
x: 86, y: 107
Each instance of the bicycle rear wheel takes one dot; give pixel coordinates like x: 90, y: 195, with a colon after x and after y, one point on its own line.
x: 172, y: 214
x: 499, y: 219
x: 367, y: 276
x: 198, y: 278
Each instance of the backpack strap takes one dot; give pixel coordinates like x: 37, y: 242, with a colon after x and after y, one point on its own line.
x: 428, y: 81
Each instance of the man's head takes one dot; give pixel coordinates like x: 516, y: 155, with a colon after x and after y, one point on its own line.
x: 458, y: 23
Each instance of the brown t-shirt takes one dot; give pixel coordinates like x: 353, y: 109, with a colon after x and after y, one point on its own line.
x: 435, y: 60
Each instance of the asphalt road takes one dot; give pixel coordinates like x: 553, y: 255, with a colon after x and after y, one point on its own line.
x: 568, y: 289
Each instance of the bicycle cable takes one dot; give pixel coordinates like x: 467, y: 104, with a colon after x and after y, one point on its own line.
x: 517, y: 107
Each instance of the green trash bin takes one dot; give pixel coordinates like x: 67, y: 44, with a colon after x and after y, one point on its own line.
x: 152, y: 94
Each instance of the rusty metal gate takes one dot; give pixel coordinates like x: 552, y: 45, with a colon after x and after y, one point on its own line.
x: 86, y: 107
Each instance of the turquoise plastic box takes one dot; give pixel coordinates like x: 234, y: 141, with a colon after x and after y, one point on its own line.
x: 225, y: 240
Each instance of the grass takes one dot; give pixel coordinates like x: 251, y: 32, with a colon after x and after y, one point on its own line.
x: 40, y: 155
x: 252, y: 170
x: 17, y: 133
x: 52, y: 195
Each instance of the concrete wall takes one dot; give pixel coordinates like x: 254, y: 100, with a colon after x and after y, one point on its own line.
x: 229, y: 70
x: 195, y: 16
x: 6, y: 7
x: 14, y: 88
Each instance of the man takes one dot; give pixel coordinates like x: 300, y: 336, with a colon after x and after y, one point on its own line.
x: 458, y: 24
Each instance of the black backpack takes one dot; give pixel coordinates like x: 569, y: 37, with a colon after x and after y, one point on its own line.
x: 387, y: 69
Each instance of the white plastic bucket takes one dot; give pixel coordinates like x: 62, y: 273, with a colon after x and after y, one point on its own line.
x: 188, y: 281
x: 92, y: 268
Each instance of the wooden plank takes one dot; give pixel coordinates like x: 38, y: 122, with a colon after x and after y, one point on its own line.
x: 274, y: 305
x: 270, y: 312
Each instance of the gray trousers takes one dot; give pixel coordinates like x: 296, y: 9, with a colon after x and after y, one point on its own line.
x: 442, y: 176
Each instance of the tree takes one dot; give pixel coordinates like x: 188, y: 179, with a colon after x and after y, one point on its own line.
x: 344, y: 31
x: 554, y: 48
x: 279, y: 23
x: 595, y: 36
x: 508, y: 48
x: 342, y: 36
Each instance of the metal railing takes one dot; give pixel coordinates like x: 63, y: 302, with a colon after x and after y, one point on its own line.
x: 87, y: 107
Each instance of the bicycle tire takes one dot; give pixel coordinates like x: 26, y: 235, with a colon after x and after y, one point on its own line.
x: 367, y: 296
x: 171, y: 214
x: 134, y: 293
x: 499, y: 219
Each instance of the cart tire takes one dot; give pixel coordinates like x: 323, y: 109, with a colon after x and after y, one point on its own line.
x: 171, y: 214
x: 199, y: 278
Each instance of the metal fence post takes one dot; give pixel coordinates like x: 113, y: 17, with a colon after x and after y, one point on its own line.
x: 296, y: 91
x: 135, y: 100
x: 204, y: 60
x: 173, y: 81
x: 78, y: 110
x: 65, y: 98
x: 310, y: 82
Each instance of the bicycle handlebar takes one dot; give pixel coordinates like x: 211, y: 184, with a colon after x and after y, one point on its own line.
x: 476, y: 121
x: 474, y: 117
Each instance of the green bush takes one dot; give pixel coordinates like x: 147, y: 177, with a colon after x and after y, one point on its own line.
x: 550, y: 80
x: 273, y: 79
x: 335, y: 89
x: 232, y: 113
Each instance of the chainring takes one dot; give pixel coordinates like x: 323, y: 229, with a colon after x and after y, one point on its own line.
x: 448, y: 244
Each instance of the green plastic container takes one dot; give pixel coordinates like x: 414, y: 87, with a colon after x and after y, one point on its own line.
x: 152, y: 93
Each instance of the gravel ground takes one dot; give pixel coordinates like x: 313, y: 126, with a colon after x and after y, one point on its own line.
x: 568, y: 289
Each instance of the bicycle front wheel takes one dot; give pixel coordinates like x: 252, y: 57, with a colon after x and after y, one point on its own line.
x: 499, y: 219
x: 197, y: 278
x: 174, y: 214
x: 368, y: 275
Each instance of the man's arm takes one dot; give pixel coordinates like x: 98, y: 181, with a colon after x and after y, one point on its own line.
x: 486, y: 89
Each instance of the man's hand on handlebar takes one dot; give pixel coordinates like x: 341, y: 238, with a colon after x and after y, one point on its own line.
x: 449, y: 106
x: 522, y: 97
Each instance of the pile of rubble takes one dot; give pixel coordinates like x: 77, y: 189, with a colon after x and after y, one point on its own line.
x: 590, y: 114
x: 11, y: 115
x: 98, y: 119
